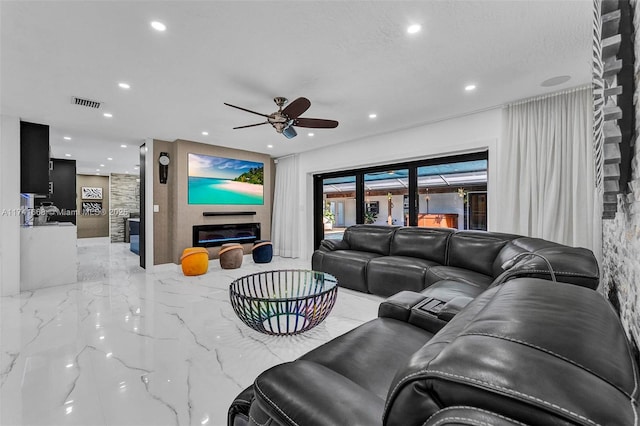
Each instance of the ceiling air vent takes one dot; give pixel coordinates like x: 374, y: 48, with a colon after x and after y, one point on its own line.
x: 85, y: 102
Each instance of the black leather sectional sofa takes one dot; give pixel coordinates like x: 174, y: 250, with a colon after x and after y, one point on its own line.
x: 384, y: 260
x: 529, y: 351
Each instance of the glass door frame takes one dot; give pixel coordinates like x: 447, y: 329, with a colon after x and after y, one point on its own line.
x: 412, y: 166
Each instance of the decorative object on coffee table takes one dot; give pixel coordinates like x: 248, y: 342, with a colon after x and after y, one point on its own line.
x: 194, y: 261
x: 262, y: 251
x: 283, y: 302
x: 231, y: 256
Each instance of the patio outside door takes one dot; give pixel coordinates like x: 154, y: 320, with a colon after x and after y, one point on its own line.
x: 477, y: 210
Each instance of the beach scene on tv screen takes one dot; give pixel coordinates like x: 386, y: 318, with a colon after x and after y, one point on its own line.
x: 218, y: 180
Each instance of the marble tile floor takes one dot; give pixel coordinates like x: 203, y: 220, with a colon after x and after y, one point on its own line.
x: 126, y: 347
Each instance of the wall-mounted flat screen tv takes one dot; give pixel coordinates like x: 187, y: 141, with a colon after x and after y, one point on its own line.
x: 219, y: 180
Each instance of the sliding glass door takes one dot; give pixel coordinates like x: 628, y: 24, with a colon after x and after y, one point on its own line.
x: 385, y: 193
x: 446, y: 192
x: 443, y: 193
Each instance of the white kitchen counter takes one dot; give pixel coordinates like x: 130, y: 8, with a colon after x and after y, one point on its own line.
x: 48, y: 255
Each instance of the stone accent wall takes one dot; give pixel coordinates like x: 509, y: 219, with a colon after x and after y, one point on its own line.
x: 125, y: 199
x: 621, y: 236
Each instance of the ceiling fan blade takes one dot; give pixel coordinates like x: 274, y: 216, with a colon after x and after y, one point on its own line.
x: 296, y: 108
x: 315, y: 123
x: 251, y: 125
x: 289, y: 132
x: 247, y: 110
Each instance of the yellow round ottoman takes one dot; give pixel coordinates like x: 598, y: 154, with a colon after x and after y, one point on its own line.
x: 231, y: 256
x: 194, y: 261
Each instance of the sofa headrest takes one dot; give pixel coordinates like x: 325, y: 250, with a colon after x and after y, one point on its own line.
x: 476, y: 250
x: 371, y: 238
x: 575, y: 265
x: 423, y: 243
x: 531, y: 350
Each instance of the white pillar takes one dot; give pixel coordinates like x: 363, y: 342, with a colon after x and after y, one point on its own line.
x: 9, y: 205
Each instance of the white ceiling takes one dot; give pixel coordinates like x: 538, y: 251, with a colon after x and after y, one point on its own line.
x: 350, y: 58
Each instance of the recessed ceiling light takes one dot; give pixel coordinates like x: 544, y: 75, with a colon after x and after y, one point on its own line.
x: 269, y: 146
x: 124, y: 85
x: 158, y: 26
x: 136, y: 168
x: 67, y: 138
x: 97, y: 170
x: 123, y: 146
x: 415, y: 28
x: 67, y: 155
x: 311, y: 134
x: 108, y: 114
x: 101, y: 165
x: 373, y: 115
x: 127, y: 172
x: 205, y: 133
x: 97, y: 174
x: 109, y: 158
x: 470, y: 87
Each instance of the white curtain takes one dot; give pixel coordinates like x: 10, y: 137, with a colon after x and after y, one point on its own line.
x: 286, y: 209
x: 547, y: 186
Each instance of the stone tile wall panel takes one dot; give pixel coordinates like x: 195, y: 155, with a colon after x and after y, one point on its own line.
x: 621, y: 236
x: 125, y: 199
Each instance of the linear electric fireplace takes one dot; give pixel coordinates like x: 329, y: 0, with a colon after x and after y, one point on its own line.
x: 217, y: 235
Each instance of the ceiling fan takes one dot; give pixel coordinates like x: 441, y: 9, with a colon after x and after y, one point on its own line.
x: 283, y: 120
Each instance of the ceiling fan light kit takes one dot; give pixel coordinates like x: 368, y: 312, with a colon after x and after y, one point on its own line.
x: 285, y: 119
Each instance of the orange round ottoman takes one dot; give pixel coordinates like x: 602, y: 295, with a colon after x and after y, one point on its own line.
x: 231, y: 256
x: 194, y: 261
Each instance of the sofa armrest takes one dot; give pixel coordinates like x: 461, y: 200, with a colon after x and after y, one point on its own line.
x: 399, y: 305
x: 453, y: 306
x: 238, y: 414
x: 416, y: 309
x: 306, y: 393
x: 573, y: 265
x: 333, y: 245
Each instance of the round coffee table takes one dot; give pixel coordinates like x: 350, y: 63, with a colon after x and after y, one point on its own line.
x: 283, y: 302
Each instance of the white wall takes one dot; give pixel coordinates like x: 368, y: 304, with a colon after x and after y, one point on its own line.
x: 9, y: 205
x: 397, y: 209
x: 466, y: 134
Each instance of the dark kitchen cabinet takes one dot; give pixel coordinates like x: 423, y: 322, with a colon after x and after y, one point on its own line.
x: 63, y: 186
x: 34, y: 158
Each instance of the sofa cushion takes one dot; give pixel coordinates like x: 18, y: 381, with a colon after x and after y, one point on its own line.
x: 530, y: 350
x: 383, y: 342
x: 476, y: 250
x: 421, y: 243
x: 349, y: 267
x: 371, y: 238
x: 439, y: 273
x: 387, y: 275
